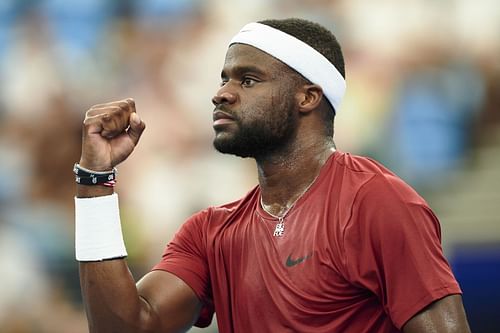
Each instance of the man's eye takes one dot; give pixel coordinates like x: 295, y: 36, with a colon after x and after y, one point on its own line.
x: 223, y: 82
x: 248, y: 82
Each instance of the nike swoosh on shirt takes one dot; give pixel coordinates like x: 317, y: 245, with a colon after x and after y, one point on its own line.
x: 292, y: 262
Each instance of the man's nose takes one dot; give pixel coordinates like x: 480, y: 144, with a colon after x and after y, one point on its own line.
x: 223, y: 97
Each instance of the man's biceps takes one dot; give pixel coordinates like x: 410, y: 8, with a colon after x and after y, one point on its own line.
x: 445, y: 315
x: 170, y: 299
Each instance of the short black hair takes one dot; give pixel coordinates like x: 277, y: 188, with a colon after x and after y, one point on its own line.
x: 319, y: 38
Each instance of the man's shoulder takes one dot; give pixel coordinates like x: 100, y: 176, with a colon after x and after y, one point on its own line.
x: 222, y: 211
x: 361, y: 164
x: 379, y: 180
x: 250, y: 196
x: 373, y: 178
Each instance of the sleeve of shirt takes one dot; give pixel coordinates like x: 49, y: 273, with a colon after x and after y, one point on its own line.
x: 185, y: 257
x: 392, y: 247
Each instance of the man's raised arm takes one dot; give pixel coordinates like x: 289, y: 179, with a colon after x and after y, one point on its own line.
x: 160, y: 301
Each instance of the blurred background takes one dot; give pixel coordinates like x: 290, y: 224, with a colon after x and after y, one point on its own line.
x: 423, y: 97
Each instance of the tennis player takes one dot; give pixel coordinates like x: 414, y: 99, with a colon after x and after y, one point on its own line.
x: 326, y: 242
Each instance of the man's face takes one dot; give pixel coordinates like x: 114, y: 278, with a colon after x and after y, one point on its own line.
x: 254, y: 111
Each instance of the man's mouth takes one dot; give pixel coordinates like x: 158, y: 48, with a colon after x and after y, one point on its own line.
x: 221, y: 118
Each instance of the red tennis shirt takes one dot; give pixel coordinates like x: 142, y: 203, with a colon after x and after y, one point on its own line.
x: 360, y: 253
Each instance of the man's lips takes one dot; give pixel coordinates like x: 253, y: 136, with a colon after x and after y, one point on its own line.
x: 221, y: 118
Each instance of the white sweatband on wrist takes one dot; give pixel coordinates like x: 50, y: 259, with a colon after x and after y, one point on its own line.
x: 298, y: 55
x: 98, y: 231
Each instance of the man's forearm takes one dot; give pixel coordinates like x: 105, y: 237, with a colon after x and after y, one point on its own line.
x: 111, y: 300
x: 91, y: 191
x: 109, y: 291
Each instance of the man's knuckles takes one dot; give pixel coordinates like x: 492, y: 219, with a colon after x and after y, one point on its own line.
x: 111, y: 109
x: 131, y: 103
x: 111, y: 118
x: 110, y: 124
x: 126, y: 104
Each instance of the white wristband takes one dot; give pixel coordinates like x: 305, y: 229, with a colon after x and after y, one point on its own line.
x: 98, y: 232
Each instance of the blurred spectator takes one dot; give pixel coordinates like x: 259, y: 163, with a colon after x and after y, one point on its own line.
x: 435, y: 111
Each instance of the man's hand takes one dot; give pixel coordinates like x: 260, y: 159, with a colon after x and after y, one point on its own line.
x: 110, y: 133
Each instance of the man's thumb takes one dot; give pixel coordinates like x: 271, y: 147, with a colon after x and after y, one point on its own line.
x: 136, y: 128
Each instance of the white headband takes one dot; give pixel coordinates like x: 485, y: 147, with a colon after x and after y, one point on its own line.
x: 297, y: 55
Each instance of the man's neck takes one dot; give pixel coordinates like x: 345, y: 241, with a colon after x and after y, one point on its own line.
x: 285, y: 177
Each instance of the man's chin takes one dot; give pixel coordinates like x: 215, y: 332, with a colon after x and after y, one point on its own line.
x: 226, y: 146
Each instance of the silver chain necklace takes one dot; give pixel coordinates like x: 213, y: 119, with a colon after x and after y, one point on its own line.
x: 279, y: 230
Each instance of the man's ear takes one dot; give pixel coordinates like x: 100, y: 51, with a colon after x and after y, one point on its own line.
x: 309, y: 97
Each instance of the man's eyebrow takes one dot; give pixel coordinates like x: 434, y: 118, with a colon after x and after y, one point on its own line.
x: 240, y: 70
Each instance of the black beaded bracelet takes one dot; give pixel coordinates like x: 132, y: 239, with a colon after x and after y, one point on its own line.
x: 85, y: 176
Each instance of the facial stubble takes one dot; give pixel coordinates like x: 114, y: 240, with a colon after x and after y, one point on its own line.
x: 268, y: 132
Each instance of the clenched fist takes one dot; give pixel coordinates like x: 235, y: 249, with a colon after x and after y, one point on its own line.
x: 110, y: 133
